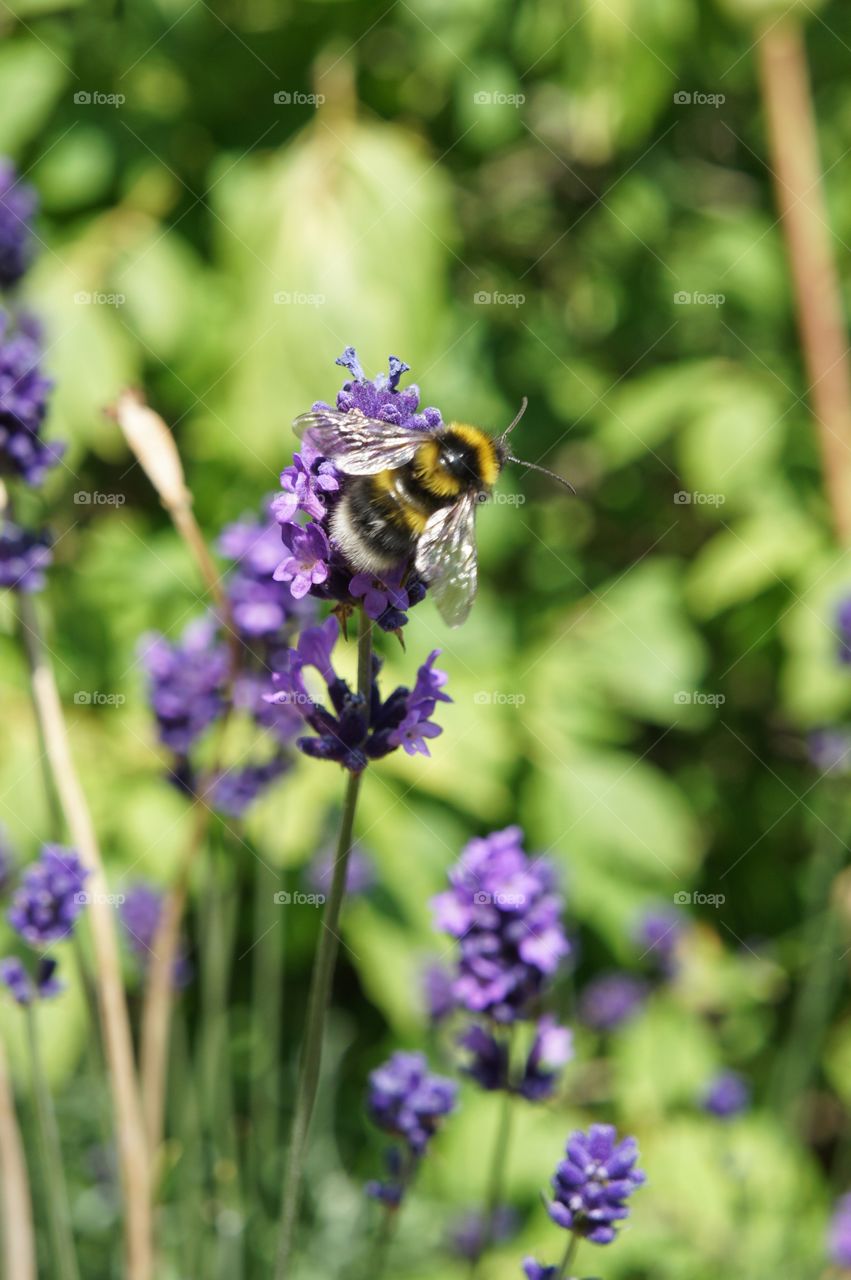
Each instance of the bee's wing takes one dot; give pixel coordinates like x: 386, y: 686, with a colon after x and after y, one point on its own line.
x: 446, y: 558
x: 357, y: 445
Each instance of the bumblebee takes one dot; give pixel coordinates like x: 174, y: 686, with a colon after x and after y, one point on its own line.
x: 413, y: 496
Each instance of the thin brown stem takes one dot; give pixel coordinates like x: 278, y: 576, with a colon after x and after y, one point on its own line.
x: 115, y: 1022
x: 15, y: 1201
x: 797, y: 173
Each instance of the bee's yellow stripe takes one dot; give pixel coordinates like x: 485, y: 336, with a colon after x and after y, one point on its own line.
x: 485, y: 449
x: 432, y: 475
x: 400, y: 513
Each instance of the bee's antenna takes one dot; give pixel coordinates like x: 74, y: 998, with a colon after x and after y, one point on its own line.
x: 533, y: 466
x: 519, y: 414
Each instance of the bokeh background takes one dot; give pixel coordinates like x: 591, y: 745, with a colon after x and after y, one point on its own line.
x: 568, y: 202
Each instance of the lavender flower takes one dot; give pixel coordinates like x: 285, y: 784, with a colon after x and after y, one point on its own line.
x: 140, y: 914
x: 726, y: 1095
x: 306, y: 565
x: 311, y: 488
x: 353, y: 733
x: 24, y: 556
x: 437, y: 983
x: 489, y: 1065
x: 236, y: 789
x: 23, y: 987
x: 659, y: 932
x: 839, y: 1233
x: 593, y: 1183
x: 407, y: 1101
x: 18, y: 204
x: 23, y: 404
x: 469, y: 1235
x: 8, y: 863
x: 50, y: 897
x: 830, y: 750
x: 506, y: 914
x: 186, y: 682
x: 843, y: 623
x: 610, y: 1000
x: 261, y: 607
x: 533, y: 1270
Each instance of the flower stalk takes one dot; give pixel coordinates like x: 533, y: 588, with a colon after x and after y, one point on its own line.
x: 15, y: 1200
x: 569, y: 1256
x: 115, y: 1022
x: 57, y: 1210
x: 320, y: 987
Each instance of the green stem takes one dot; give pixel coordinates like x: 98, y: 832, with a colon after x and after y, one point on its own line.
x: 569, y: 1256
x: 496, y: 1179
x: 320, y: 988
x: 56, y: 1193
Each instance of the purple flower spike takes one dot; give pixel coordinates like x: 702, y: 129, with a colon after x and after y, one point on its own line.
x: 18, y: 204
x: 379, y: 595
x: 839, y: 1233
x: 593, y: 1183
x: 533, y: 1270
x: 659, y: 932
x: 551, y: 1050
x: 506, y: 914
x: 186, y: 682
x: 22, y: 987
x: 407, y: 1101
x: 23, y: 405
x: 303, y: 487
x: 50, y: 898
x: 307, y: 563
x: 24, y: 556
x: 727, y: 1095
x: 611, y: 1000
x: 437, y: 989
x: 140, y: 914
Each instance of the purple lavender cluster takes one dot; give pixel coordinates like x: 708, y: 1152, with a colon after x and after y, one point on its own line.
x: 408, y: 1102
x: 353, y: 731
x: 311, y: 486
x: 591, y: 1189
x: 24, y: 454
x: 505, y: 912
x: 211, y: 672
x: 44, y: 909
x: 140, y: 914
x: 18, y: 204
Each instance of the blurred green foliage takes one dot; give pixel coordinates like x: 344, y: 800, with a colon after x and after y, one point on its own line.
x: 637, y: 678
